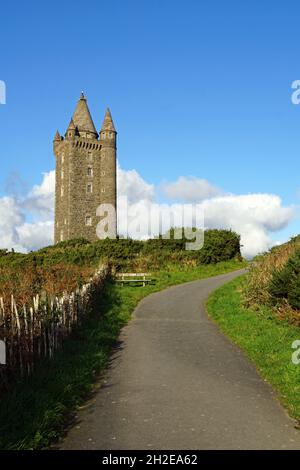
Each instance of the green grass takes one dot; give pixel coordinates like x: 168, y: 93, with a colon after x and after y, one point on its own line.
x: 266, y: 340
x: 35, y: 412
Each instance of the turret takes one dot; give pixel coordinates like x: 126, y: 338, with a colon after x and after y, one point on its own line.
x: 71, y: 131
x: 108, y: 133
x: 57, y: 137
x: 108, y: 183
x: 56, y: 141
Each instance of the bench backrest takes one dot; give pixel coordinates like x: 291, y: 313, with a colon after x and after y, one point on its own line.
x: 123, y: 275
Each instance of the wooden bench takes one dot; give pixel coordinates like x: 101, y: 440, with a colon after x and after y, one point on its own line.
x: 144, y: 278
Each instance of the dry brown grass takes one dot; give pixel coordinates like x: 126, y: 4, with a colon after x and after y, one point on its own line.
x: 287, y: 313
x: 261, y: 270
x: 176, y: 262
x: 25, y: 283
x: 64, y: 278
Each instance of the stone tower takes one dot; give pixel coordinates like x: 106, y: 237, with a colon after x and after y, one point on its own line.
x: 85, y: 174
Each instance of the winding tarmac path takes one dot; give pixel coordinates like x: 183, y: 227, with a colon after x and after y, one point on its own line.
x: 175, y: 382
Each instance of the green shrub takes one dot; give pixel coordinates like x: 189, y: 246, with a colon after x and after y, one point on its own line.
x: 154, y: 254
x: 219, y: 245
x: 285, y: 284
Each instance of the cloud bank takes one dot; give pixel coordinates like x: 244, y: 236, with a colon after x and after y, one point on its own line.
x: 27, y: 221
x: 37, y: 206
x: 190, y: 189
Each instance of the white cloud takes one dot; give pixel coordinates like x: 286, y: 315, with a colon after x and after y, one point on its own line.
x: 15, y: 230
x: 190, y: 189
x: 11, y: 217
x: 40, y: 200
x: 254, y: 216
x: 132, y: 185
x: 36, y: 235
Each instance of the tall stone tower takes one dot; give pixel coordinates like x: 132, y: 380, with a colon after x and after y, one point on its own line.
x: 85, y: 174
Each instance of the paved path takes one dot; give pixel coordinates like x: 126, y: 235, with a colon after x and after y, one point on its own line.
x: 177, y: 383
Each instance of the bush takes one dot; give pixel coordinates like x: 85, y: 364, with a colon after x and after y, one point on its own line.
x: 127, y: 254
x: 219, y: 245
x: 261, y: 272
x: 285, y: 284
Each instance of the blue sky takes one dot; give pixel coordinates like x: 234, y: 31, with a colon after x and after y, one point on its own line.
x: 196, y: 88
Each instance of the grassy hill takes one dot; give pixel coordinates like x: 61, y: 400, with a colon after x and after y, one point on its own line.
x: 63, y: 266
x: 219, y: 245
x: 274, y: 280
x: 35, y: 410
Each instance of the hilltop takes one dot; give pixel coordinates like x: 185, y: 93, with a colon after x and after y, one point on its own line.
x: 274, y: 279
x: 155, y: 254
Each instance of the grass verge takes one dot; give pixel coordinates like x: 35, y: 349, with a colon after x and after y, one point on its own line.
x: 35, y: 412
x: 266, y: 340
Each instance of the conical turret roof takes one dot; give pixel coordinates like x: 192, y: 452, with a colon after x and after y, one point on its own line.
x: 108, y: 124
x: 82, y: 117
x: 57, y: 136
x: 71, y: 125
